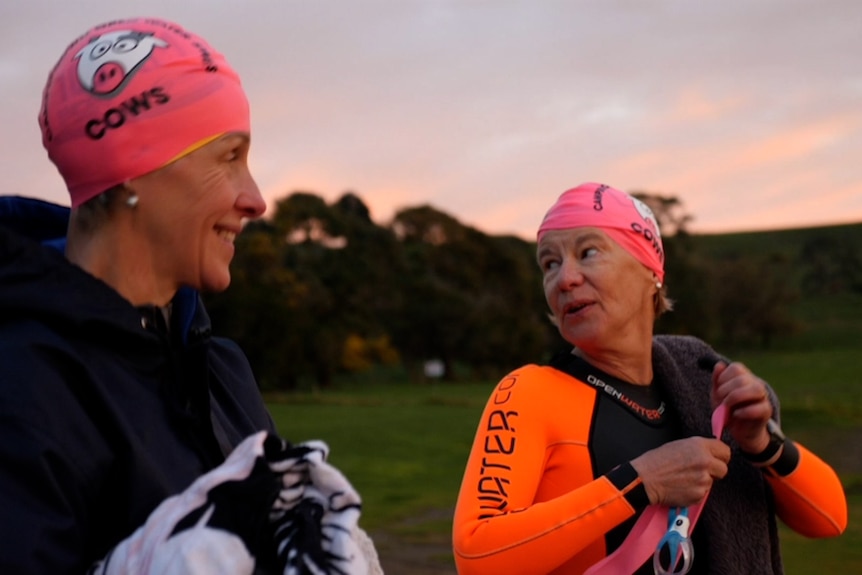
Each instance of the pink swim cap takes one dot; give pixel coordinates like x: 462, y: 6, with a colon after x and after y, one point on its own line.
x: 130, y: 96
x: 627, y: 220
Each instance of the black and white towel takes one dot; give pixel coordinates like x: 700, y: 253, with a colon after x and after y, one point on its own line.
x: 271, y: 507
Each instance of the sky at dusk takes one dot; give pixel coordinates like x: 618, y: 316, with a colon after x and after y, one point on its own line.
x: 749, y: 111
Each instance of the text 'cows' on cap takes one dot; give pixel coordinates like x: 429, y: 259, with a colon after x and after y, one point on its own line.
x: 129, y: 96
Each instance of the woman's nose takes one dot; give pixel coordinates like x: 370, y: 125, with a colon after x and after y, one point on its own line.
x: 570, y: 274
x: 250, y: 201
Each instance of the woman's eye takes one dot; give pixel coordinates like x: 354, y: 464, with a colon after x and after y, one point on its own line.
x: 589, y: 252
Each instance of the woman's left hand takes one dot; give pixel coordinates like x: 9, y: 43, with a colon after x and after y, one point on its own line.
x: 748, y: 405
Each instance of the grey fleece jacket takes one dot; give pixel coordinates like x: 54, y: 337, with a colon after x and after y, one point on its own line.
x: 737, y: 527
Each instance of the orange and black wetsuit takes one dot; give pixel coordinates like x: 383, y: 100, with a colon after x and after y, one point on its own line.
x: 548, y: 488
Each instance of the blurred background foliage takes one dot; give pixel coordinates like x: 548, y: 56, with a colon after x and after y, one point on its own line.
x: 320, y: 292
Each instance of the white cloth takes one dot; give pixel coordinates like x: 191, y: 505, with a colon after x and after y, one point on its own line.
x: 312, y: 524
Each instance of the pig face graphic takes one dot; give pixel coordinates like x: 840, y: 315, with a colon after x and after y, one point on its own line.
x: 107, y: 63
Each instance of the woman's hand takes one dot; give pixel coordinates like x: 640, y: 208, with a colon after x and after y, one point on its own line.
x: 680, y: 473
x: 747, y: 401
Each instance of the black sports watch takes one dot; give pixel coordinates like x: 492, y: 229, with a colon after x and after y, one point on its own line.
x: 776, y: 442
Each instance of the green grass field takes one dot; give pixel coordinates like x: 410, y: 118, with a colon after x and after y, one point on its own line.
x: 821, y: 398
x: 404, y: 446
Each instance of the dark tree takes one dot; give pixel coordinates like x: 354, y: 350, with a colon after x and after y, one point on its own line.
x: 481, y: 301
x: 754, y: 300
x: 830, y: 266
x: 263, y: 307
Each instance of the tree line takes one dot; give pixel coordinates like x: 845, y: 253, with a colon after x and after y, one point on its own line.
x: 319, y: 290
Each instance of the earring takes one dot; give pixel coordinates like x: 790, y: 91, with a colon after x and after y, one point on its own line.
x: 658, y: 285
x: 132, y: 200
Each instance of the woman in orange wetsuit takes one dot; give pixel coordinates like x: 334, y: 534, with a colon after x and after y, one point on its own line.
x: 568, y: 455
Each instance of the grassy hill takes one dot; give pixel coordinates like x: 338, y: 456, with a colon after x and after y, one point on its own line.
x: 820, y: 268
x: 788, y: 242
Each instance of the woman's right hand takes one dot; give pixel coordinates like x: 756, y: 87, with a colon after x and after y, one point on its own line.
x: 680, y: 473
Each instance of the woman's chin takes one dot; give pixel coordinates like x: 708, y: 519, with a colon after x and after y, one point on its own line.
x: 214, y: 283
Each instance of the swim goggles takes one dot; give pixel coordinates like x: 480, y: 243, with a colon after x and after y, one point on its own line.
x: 675, y: 552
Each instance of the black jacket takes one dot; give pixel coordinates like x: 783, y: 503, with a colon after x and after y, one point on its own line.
x: 104, y: 411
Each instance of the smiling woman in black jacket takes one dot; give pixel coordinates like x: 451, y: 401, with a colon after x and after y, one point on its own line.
x: 114, y: 395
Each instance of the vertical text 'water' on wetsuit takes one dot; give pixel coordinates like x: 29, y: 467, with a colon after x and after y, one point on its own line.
x: 498, y: 446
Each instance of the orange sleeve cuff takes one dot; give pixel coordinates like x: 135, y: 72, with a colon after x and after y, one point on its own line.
x: 626, y: 479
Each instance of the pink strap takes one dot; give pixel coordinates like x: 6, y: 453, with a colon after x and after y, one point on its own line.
x: 650, y: 527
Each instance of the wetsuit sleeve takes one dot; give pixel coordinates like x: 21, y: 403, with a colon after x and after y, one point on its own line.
x: 809, y: 497
x: 501, y: 525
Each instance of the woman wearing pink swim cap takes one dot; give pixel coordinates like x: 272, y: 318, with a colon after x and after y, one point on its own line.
x: 131, y: 439
x: 601, y: 461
